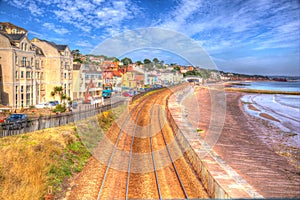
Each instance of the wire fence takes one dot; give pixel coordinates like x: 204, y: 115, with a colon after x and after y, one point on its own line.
x: 55, y: 120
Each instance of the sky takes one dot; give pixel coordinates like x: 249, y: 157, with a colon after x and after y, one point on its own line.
x: 242, y: 36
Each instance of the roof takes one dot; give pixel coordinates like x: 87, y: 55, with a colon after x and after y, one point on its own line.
x: 117, y: 73
x: 61, y: 47
x: 38, y: 50
x: 16, y: 37
x: 8, y: 36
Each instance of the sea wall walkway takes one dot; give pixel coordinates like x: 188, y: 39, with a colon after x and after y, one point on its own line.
x: 235, y: 175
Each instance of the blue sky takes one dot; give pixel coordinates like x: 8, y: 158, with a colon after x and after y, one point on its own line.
x: 246, y: 36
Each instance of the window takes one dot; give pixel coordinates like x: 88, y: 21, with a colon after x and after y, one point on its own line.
x: 24, y: 61
x: 22, y: 74
x: 16, y: 59
x: 65, y: 75
x: 25, y: 48
x: 27, y: 89
x: 16, y: 74
x: 17, y: 89
x: 28, y: 99
x: 22, y: 88
x: 27, y: 74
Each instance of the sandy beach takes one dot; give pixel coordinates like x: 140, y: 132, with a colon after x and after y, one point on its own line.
x: 254, y: 147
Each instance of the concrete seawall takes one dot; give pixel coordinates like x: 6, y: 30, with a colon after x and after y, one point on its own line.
x: 219, y: 179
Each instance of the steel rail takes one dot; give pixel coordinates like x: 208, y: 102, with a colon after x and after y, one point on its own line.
x: 152, y: 155
x: 175, y: 169
x: 130, y: 156
x: 114, y: 149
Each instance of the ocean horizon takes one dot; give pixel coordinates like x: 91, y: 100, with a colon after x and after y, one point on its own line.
x: 289, y: 86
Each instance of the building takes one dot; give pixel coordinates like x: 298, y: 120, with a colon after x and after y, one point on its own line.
x: 86, y: 78
x: 11, y: 28
x: 133, y: 79
x: 20, y: 74
x: 58, y: 68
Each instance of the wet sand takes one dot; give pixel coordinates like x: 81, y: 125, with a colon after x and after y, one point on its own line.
x: 247, y: 146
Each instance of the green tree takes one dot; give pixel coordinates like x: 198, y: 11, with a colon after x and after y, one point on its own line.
x: 155, y: 60
x: 58, y: 90
x: 75, y: 53
x: 177, y: 68
x: 139, y: 62
x: 116, y: 59
x: 126, y: 61
x: 147, y: 61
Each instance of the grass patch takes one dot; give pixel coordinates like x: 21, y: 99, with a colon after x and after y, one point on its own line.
x: 92, y: 130
x: 31, y: 162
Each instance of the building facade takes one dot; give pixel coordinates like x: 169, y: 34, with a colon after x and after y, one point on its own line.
x: 29, y: 70
x: 21, y: 81
x: 85, y: 75
x: 58, y: 68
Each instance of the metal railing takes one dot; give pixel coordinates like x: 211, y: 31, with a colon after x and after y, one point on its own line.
x: 43, y: 122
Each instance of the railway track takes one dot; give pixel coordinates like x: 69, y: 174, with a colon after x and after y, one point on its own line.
x: 164, y: 179
x: 108, y: 168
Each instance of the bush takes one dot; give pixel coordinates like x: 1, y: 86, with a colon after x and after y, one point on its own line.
x: 59, y: 108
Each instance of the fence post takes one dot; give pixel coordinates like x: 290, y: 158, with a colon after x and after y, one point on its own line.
x: 39, y: 123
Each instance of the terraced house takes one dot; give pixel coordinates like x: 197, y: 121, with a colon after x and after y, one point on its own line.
x: 58, y: 68
x: 19, y: 72
x: 30, y: 69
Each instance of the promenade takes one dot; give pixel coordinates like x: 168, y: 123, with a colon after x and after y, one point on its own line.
x: 240, y: 163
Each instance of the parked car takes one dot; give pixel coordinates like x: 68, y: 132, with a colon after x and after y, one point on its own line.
x: 53, y: 103
x: 16, y: 121
x: 42, y: 105
x: 74, y: 104
x: 127, y: 94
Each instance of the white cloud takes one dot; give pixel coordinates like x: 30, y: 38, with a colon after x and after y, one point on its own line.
x: 84, y: 44
x: 219, y: 25
x: 56, y: 29
x: 82, y: 14
x: 35, y: 34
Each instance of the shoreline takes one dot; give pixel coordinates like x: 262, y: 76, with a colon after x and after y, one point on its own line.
x: 247, y: 146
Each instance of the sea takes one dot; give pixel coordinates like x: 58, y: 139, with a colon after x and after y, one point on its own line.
x: 289, y: 86
x: 284, y: 108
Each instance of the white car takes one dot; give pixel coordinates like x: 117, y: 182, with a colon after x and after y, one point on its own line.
x: 42, y: 105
